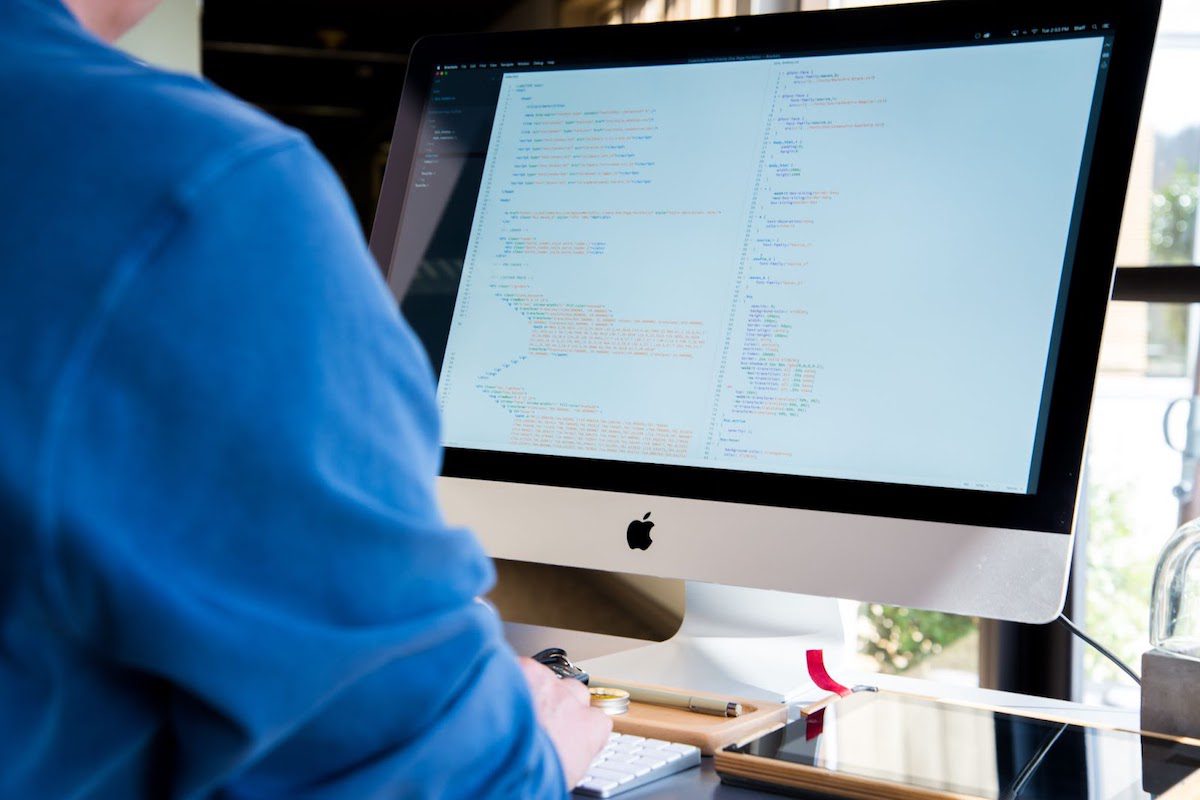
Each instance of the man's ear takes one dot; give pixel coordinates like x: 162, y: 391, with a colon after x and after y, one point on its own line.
x: 110, y: 19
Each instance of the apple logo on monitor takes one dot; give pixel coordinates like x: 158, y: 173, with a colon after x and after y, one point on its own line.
x: 638, y: 533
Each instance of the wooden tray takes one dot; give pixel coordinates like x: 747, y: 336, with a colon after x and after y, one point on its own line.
x: 706, y: 731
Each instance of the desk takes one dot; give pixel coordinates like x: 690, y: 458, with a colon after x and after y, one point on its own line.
x: 703, y: 783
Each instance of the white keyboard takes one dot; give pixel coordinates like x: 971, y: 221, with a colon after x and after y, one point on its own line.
x: 628, y: 762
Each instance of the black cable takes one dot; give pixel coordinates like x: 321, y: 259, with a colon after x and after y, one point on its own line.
x: 1031, y: 766
x: 1073, y: 628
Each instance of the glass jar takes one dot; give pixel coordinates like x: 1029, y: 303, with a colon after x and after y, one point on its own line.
x: 1175, y: 598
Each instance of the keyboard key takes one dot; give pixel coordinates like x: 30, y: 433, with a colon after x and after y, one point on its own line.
x: 623, y: 758
x: 610, y: 775
x: 628, y: 762
x: 617, y: 766
x: 597, y: 784
x: 658, y: 745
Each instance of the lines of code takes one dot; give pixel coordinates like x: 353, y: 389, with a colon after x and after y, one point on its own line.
x: 811, y: 116
x: 590, y: 329
x: 583, y: 147
x: 798, y: 266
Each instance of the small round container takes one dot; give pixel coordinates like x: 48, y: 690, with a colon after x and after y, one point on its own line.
x: 611, y: 701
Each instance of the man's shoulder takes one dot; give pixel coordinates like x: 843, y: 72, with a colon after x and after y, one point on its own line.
x: 175, y: 127
x: 107, y: 118
x: 101, y: 157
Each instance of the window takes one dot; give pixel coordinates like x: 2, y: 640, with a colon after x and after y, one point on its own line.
x: 1148, y: 360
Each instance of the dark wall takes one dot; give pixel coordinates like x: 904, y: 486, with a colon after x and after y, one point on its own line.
x: 332, y: 68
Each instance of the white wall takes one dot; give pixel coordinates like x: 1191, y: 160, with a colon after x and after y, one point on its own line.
x: 169, y: 37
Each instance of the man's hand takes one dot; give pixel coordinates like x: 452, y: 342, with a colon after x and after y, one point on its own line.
x: 564, y: 711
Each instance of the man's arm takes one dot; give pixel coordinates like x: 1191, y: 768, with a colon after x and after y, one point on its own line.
x: 241, y: 495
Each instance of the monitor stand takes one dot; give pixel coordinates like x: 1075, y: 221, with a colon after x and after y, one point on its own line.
x: 740, y: 642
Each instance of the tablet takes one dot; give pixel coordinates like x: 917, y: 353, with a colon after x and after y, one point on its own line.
x: 937, y: 749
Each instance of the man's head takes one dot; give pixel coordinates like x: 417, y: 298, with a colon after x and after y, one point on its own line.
x: 109, y: 19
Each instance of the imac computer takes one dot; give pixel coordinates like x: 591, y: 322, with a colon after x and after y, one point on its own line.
x: 807, y: 303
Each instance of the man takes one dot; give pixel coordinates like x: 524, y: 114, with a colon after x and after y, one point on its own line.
x: 222, y: 568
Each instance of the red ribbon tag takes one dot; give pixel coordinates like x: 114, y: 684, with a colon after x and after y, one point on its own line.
x: 820, y: 676
x: 814, y: 725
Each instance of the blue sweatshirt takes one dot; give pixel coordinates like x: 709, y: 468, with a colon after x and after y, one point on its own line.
x: 222, y: 567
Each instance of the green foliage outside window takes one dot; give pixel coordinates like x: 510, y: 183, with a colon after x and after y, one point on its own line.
x: 901, y: 638
x: 1173, y: 218
x: 1172, y: 239
x: 1119, y: 573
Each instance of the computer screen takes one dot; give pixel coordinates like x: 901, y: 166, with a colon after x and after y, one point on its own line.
x: 844, y: 266
x: 847, y: 263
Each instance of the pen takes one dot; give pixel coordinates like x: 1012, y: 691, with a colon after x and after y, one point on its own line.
x: 662, y: 697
